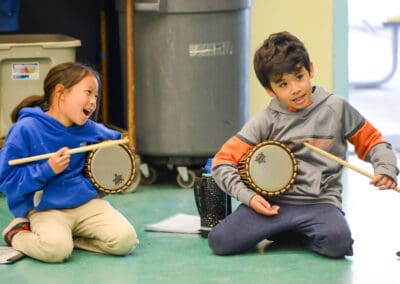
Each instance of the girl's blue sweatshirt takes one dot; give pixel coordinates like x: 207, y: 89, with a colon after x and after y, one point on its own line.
x: 37, y: 133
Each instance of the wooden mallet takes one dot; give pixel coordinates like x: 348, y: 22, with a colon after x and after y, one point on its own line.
x: 342, y: 162
x: 92, y: 147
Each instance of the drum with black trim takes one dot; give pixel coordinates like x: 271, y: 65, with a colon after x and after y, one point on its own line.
x: 212, y: 203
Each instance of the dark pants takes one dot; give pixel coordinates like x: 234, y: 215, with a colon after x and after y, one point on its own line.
x: 322, y: 228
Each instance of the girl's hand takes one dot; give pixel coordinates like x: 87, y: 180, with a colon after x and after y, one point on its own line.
x: 383, y: 182
x: 262, y: 206
x: 60, y: 160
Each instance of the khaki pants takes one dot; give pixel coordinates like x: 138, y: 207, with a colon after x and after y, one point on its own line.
x: 95, y: 226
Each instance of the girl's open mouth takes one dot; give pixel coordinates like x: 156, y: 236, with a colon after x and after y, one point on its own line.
x: 87, y: 112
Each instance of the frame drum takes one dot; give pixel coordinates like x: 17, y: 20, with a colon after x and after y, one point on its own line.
x: 269, y: 168
x: 110, y: 169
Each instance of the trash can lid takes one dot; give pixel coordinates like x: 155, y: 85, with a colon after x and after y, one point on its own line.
x: 185, y: 6
x: 8, y: 41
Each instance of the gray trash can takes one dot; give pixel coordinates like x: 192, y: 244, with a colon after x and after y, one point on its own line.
x: 191, y: 76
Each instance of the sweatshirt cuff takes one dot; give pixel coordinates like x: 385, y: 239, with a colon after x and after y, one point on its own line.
x: 388, y: 170
x: 47, y: 171
x: 245, y: 195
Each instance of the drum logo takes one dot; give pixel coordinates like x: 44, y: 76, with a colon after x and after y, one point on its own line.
x: 261, y: 158
x: 118, y: 179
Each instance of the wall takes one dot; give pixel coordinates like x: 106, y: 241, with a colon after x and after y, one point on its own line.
x: 313, y: 22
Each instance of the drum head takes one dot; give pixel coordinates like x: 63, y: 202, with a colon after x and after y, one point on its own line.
x: 112, y: 168
x: 272, y: 168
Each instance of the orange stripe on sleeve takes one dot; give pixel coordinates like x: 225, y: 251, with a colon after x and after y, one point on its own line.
x: 231, y: 152
x: 366, y: 138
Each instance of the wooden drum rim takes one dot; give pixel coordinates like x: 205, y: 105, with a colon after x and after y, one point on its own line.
x: 244, y: 169
x: 88, y: 171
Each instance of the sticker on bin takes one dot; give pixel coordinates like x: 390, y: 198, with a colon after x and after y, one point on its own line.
x: 25, y: 71
x: 211, y: 49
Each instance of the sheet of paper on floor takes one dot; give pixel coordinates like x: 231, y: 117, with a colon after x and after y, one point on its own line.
x: 178, y: 223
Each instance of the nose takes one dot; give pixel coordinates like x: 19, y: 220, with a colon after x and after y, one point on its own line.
x: 93, y: 102
x: 295, y: 88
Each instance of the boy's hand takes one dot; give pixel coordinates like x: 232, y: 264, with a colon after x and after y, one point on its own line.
x: 383, y: 182
x: 60, y: 160
x: 262, y: 206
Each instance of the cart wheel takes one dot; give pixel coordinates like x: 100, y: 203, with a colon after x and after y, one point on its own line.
x: 189, y: 183
x: 151, y: 178
x: 136, y: 178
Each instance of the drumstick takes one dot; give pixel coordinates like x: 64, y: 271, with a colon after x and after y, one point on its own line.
x: 70, y: 151
x: 342, y: 162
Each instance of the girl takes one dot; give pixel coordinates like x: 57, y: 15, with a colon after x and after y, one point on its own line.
x: 55, y: 206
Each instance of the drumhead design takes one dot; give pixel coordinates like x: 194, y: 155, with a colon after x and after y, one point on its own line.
x: 111, y: 169
x: 269, y: 168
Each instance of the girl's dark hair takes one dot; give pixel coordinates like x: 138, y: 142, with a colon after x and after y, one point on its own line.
x: 68, y: 74
x: 280, y: 53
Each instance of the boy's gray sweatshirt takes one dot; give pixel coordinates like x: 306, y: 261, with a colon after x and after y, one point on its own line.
x: 329, y: 123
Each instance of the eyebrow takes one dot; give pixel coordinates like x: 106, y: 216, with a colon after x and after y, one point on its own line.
x: 279, y: 80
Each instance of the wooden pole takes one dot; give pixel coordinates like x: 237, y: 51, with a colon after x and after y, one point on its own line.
x: 130, y: 74
x: 104, y: 62
x: 130, y: 90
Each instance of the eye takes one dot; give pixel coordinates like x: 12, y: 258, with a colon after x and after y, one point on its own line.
x: 91, y: 93
x: 299, y: 76
x: 282, y: 85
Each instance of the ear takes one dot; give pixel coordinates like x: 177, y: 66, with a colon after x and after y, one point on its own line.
x: 59, y: 90
x: 311, y: 70
x: 270, y: 92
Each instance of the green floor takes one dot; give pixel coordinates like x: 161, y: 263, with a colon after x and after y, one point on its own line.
x: 186, y: 258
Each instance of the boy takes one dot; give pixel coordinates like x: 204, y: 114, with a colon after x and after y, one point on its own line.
x: 309, y: 212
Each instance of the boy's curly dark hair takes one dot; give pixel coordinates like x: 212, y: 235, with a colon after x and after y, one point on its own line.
x: 280, y: 53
